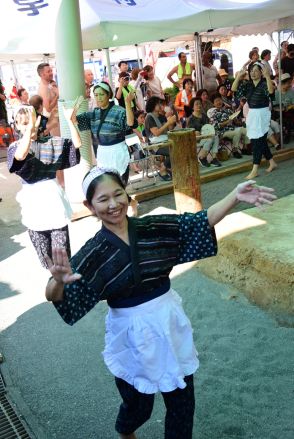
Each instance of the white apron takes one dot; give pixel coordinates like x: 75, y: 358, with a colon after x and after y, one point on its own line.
x: 113, y: 157
x: 44, y: 205
x: 258, y: 122
x: 151, y: 345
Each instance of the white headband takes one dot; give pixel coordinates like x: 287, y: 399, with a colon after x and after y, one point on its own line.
x: 105, y: 87
x: 96, y: 172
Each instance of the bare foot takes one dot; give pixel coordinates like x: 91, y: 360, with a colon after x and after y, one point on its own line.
x: 271, y: 168
x: 251, y: 176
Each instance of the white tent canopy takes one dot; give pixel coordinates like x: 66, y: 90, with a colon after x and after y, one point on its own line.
x: 29, y: 29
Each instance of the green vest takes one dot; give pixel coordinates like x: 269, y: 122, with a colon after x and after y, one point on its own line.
x: 125, y: 93
x: 187, y: 70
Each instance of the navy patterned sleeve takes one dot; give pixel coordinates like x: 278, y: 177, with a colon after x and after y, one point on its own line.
x: 79, y: 299
x: 82, y: 295
x: 84, y: 120
x: 197, y: 238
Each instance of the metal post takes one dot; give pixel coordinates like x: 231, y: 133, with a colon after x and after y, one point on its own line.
x: 198, y: 61
x: 280, y: 91
x: 70, y: 69
x: 110, y: 79
x: 138, y: 56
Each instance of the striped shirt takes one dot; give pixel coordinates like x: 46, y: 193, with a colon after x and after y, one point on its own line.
x: 113, y: 129
x: 114, y: 271
x: 43, y: 159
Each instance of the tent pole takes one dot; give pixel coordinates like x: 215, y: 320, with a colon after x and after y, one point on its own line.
x: 280, y: 94
x: 138, y: 56
x: 69, y: 62
x: 14, y: 73
x: 198, y: 61
x: 110, y: 80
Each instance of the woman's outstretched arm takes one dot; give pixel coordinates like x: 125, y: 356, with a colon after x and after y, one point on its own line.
x: 247, y: 192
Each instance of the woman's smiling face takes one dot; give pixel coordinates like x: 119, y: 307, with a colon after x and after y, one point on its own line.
x: 109, y: 202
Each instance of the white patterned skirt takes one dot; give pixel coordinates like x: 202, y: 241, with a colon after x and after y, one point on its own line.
x: 113, y: 157
x: 258, y: 122
x: 151, y: 345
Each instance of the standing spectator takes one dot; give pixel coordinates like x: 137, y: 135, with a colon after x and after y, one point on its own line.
x: 124, y: 89
x: 89, y: 78
x: 287, y: 63
x: 137, y: 83
x: 183, y: 70
x: 3, y: 111
x: 265, y: 57
x: 50, y: 96
x: 211, y: 78
x: 23, y: 96
x: 257, y: 92
x: 253, y: 57
x: 153, y: 83
x: 283, y: 54
x: 184, y: 97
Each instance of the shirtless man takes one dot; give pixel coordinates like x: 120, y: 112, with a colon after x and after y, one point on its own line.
x: 50, y: 96
x: 183, y: 70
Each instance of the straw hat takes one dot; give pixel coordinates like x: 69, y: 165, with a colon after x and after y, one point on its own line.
x: 222, y: 72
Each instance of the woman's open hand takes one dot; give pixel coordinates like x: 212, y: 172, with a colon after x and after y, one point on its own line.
x: 60, y: 267
x: 250, y: 193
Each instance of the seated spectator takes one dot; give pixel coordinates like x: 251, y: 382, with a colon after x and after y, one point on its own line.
x: 202, y: 93
x: 283, y: 54
x: 197, y: 120
x: 23, y: 96
x: 184, y: 97
x: 156, y: 125
x: 222, y: 90
x: 136, y: 82
x: 124, y: 89
x: 36, y: 101
x: 170, y: 110
x: 225, y: 127
x: 153, y: 83
x: 286, y: 94
x: 225, y: 81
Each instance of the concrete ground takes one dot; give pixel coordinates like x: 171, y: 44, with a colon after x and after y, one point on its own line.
x: 55, y: 374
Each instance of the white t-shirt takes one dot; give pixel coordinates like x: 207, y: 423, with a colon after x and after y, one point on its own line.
x: 154, y: 87
x: 209, y: 78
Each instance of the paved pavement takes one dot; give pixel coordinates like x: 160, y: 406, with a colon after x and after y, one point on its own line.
x: 55, y: 374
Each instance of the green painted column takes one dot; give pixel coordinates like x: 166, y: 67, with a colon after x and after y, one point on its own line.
x: 70, y: 73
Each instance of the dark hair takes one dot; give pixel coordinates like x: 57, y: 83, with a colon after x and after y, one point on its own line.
x: 19, y: 92
x: 264, y: 53
x: 92, y: 186
x: 215, y: 96
x: 192, y: 102
x: 290, y: 48
x: 148, y: 68
x: 138, y: 113
x: 200, y: 91
x: 220, y: 86
x: 41, y: 67
x: 122, y: 62
x: 36, y: 101
x: 283, y: 42
x: 109, y: 93
x: 180, y: 54
x: 124, y: 75
x: 252, y: 52
x: 152, y: 102
x: 283, y: 81
x: 186, y: 80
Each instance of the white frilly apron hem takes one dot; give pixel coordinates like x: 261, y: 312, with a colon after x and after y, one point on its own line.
x: 145, y: 386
